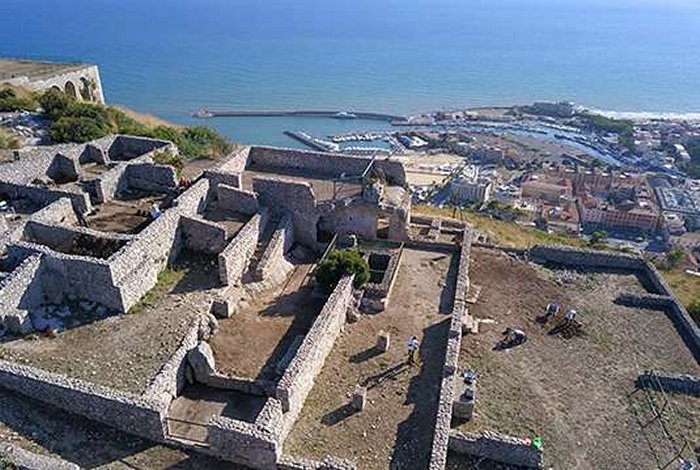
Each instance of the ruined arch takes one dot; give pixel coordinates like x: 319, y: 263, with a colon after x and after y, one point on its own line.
x: 71, y: 90
x: 56, y: 88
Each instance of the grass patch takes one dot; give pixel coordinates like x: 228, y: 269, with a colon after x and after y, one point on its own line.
x: 167, y: 280
x: 502, y: 232
x: 686, y: 286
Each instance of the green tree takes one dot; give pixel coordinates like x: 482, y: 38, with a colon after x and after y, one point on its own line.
x: 599, y: 239
x: 341, y: 263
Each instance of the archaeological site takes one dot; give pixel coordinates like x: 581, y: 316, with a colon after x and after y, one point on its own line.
x: 149, y: 319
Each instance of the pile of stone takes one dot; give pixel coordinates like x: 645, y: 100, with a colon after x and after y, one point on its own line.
x: 56, y: 318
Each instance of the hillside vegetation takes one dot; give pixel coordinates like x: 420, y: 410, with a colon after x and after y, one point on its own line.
x: 79, y: 122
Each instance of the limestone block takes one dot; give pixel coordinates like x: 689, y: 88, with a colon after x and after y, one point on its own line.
x: 201, y: 359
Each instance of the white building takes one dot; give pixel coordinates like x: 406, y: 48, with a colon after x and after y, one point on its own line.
x: 471, y: 186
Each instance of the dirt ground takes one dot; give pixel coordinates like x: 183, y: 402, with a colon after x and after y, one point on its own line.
x: 395, y: 430
x: 126, y: 351
x: 123, y: 216
x: 251, y: 342
x: 47, y: 430
x: 573, y: 392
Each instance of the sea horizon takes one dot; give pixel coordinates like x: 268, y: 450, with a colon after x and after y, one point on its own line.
x: 403, y: 57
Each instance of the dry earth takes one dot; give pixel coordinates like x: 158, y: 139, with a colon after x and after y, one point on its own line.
x: 573, y: 393
x: 396, y: 428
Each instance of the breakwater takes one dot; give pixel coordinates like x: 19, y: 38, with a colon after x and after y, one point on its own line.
x: 205, y: 113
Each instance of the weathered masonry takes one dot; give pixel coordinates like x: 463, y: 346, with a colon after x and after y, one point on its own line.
x: 81, y: 81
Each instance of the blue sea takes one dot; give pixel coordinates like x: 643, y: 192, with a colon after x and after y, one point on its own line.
x: 171, y: 57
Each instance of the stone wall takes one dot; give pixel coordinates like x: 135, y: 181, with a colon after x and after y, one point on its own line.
x: 325, y: 164
x: 234, y: 259
x: 114, y: 181
x: 299, y: 377
x: 151, y: 177
x: 19, y: 293
x: 44, y: 196
x: 170, y: 380
x: 287, y: 462
x: 121, y: 410
x: 134, y: 269
x: 585, y: 258
x: 349, y: 216
x: 450, y: 372
x: 674, y: 383
x: 127, y: 147
x: 236, y: 200
x: 281, y: 196
x: 202, y: 235
x: 592, y: 259
x: 58, y: 212
x: 63, y: 169
x: 497, y: 447
x: 243, y: 443
x: 273, y: 266
x: 229, y: 173
x: 66, y: 239
x: 24, y: 460
x: 86, y: 278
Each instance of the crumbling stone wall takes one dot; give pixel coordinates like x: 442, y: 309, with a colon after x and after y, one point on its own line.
x: 281, y: 196
x: 298, y: 379
x: 44, y: 196
x: 121, y: 410
x: 25, y: 460
x: 325, y: 164
x: 234, y: 259
x: 273, y: 265
x: 19, y: 293
x: 127, y: 147
x: 151, y: 177
x: 585, y: 258
x: 497, y: 447
x: 236, y: 200
x: 229, y: 173
x: 170, y: 380
x: 243, y: 443
x: 287, y: 462
x: 134, y: 269
x: 63, y: 169
x: 450, y: 373
x: 58, y: 212
x: 349, y: 216
x: 86, y: 278
x: 202, y: 235
x: 674, y: 383
x: 79, y: 241
x: 593, y: 259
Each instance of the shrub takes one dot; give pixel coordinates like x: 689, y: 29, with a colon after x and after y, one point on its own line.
x: 599, y: 239
x: 77, y: 129
x: 340, y: 263
x: 54, y: 103
x: 674, y: 257
x: 167, y: 157
x: 13, y: 99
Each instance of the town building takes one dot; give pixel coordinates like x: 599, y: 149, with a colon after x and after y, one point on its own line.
x: 471, y: 186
